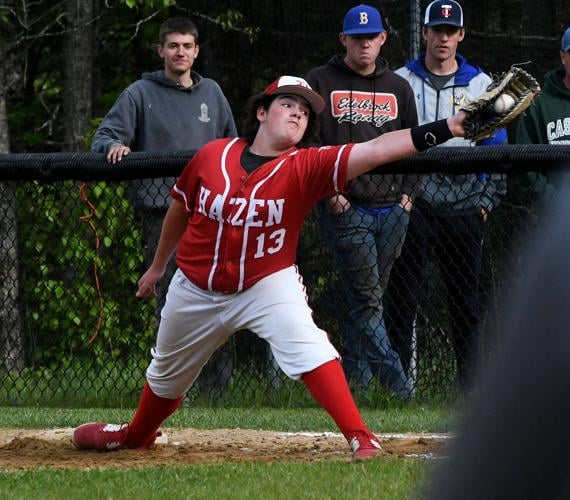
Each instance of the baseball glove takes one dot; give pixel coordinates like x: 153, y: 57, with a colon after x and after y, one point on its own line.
x: 483, y: 120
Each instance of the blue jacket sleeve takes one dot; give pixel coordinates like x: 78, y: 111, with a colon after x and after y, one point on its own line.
x: 495, y: 183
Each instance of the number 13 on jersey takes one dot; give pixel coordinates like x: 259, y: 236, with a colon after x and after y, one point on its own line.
x: 274, y: 243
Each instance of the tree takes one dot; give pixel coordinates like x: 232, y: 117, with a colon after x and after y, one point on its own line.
x: 22, y: 23
x: 11, y: 344
x: 78, y: 73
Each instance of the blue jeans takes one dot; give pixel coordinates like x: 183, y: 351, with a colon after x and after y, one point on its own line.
x: 456, y: 244
x: 366, y: 247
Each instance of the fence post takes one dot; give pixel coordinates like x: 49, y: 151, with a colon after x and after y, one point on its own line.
x: 415, y: 29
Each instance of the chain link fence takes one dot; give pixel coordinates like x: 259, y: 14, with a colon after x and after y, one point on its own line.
x: 73, y: 332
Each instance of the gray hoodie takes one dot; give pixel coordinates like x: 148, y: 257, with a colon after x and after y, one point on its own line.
x: 158, y: 114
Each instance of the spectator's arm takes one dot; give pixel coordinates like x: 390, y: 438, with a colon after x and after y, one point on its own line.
x: 230, y: 129
x: 528, y: 133
x: 411, y: 182
x: 173, y: 228
x: 494, y: 192
x: 118, y: 128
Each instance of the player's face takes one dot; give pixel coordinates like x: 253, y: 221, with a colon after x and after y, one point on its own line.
x: 362, y: 51
x: 179, y: 52
x: 442, y: 41
x: 286, y: 120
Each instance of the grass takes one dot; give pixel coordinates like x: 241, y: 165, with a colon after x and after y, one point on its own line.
x: 383, y: 479
x: 391, y: 478
x: 412, y: 418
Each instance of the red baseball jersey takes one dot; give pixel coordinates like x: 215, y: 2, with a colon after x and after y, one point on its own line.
x: 243, y: 227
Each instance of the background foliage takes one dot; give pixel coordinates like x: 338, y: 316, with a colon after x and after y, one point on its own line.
x: 244, y: 45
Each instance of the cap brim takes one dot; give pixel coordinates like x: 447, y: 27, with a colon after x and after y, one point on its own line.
x: 316, y: 102
x: 362, y: 31
x: 446, y: 22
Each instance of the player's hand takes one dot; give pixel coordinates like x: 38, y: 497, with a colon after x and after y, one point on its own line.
x: 406, y: 203
x: 116, y: 153
x: 338, y: 204
x: 455, y: 123
x: 147, y: 283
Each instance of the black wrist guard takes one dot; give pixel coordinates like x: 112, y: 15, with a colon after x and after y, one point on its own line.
x: 430, y: 134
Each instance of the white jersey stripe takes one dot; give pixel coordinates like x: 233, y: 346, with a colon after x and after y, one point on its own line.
x: 247, y: 223
x: 183, y: 194
x: 221, y: 222
x: 336, y: 165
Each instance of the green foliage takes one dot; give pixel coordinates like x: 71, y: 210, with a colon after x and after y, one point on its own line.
x: 232, y: 19
x: 34, y: 123
x: 79, y: 382
x: 68, y: 262
x: 88, y: 139
x: 153, y: 4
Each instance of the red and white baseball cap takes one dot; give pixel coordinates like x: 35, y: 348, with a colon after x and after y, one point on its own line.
x: 296, y: 86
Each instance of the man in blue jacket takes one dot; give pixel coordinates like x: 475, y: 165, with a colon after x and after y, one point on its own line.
x: 451, y: 212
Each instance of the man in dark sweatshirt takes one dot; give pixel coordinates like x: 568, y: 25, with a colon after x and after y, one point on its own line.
x: 175, y: 109
x: 367, y: 224
x: 547, y: 121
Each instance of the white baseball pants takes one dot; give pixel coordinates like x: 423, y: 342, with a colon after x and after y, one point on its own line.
x: 195, y: 322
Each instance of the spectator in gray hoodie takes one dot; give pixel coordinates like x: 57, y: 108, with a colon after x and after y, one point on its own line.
x: 175, y: 109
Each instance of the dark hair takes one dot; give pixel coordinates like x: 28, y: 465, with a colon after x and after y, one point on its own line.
x: 177, y: 25
x: 250, y: 124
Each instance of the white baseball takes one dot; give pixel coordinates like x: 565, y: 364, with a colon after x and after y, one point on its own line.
x: 503, y: 103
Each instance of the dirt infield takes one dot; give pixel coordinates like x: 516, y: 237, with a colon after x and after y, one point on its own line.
x: 25, y: 449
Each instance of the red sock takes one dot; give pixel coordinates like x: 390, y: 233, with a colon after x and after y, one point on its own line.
x: 327, y: 384
x: 151, y: 412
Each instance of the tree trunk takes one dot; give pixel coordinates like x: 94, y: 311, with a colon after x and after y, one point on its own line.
x: 11, y: 335
x: 78, y: 76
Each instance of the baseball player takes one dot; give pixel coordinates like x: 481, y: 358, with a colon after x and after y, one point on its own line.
x: 237, y: 213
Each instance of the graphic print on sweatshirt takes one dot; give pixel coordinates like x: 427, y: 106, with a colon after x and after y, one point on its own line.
x: 350, y: 106
x: 558, y: 131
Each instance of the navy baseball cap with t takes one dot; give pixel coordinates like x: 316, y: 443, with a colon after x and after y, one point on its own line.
x: 362, y: 20
x: 566, y: 40
x: 444, y: 12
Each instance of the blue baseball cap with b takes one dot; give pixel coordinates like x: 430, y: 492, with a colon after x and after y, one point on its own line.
x: 362, y: 20
x: 566, y: 40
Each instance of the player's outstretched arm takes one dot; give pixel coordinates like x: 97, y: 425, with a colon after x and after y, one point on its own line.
x: 173, y: 228
x: 394, y: 146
